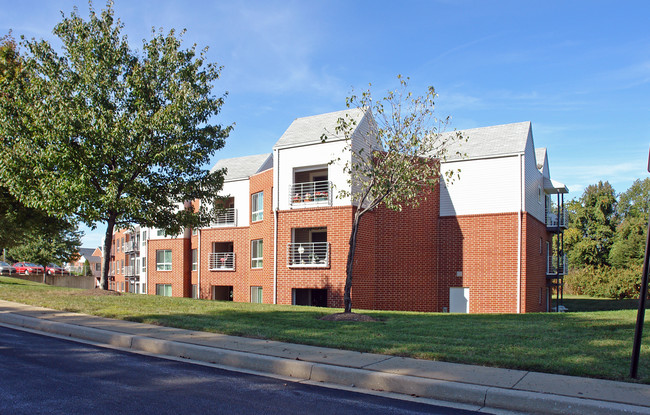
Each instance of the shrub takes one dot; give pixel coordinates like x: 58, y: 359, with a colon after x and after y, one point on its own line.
x: 605, y: 281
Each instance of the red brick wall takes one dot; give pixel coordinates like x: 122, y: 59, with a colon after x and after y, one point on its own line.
x: 179, y: 276
x: 484, y: 249
x: 534, y: 265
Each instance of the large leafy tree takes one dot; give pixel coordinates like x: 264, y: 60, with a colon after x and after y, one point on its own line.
x: 590, y: 236
x: 30, y: 234
x: 110, y: 135
x: 633, y: 208
x: 398, y: 165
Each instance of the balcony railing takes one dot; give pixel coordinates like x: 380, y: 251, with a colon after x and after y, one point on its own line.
x: 130, y: 271
x: 553, y: 220
x: 308, y: 254
x: 131, y: 246
x: 221, y: 261
x: 226, y: 217
x: 556, y: 265
x: 311, y: 193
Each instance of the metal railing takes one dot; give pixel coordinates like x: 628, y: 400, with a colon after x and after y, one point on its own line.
x: 221, y: 261
x: 226, y: 217
x: 130, y: 271
x: 308, y: 254
x: 556, y: 265
x: 131, y: 246
x: 313, y: 193
x: 553, y: 220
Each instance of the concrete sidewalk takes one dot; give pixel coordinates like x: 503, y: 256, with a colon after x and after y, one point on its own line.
x: 477, y: 386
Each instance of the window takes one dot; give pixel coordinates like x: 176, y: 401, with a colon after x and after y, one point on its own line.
x: 144, y: 238
x: 257, y: 207
x: 144, y: 264
x: 160, y: 232
x: 194, y: 292
x: 539, y: 195
x: 144, y: 288
x: 256, y: 295
x: 164, y: 260
x: 195, y: 231
x: 98, y: 267
x: 164, y: 290
x: 257, y: 250
x: 195, y: 260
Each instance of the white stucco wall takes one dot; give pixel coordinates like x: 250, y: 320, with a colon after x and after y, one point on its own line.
x: 485, y: 186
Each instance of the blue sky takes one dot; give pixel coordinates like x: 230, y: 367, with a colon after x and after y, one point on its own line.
x: 578, y: 70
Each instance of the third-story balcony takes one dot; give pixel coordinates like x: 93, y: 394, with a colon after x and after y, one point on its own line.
x: 556, y: 265
x: 221, y: 261
x: 131, y: 246
x: 308, y: 255
x: 226, y: 217
x: 311, y: 194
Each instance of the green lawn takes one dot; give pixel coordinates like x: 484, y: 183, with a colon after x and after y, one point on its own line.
x: 596, y: 342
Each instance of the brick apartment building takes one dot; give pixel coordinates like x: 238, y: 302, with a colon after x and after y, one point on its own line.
x: 488, y: 242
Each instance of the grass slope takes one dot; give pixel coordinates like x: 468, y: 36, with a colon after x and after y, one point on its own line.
x: 596, y: 342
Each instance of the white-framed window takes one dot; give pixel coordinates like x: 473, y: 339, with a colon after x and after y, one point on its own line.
x: 164, y: 260
x: 539, y: 195
x: 144, y: 264
x: 164, y: 290
x: 257, y: 206
x: 160, y: 232
x: 144, y: 238
x: 257, y: 251
x: 256, y: 294
x: 195, y: 231
x: 194, y: 291
x: 195, y: 259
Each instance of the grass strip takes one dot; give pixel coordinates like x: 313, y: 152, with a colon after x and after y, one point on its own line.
x: 595, y: 343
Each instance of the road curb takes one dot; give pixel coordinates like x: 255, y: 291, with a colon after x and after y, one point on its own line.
x: 443, y: 390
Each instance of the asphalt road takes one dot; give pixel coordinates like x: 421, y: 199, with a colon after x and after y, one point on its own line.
x: 45, y: 375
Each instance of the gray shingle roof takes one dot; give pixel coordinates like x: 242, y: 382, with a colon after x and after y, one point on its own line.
x: 310, y: 129
x: 244, y: 167
x: 88, y: 254
x: 497, y: 140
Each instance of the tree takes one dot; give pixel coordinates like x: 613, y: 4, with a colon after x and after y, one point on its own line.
x: 109, y: 135
x: 633, y: 208
x: 592, y: 226
x: 399, y: 163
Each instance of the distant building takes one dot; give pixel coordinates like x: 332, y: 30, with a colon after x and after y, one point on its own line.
x: 90, y: 256
x: 488, y: 242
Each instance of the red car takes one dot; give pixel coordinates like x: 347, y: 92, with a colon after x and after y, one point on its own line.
x: 28, y: 268
x: 53, y: 269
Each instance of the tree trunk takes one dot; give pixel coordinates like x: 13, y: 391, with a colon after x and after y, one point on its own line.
x: 347, y: 299
x: 108, y: 243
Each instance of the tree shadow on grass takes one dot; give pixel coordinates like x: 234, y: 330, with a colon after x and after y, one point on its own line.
x: 599, y: 304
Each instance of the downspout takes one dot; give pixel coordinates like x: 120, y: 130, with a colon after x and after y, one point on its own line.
x: 198, y: 269
x: 276, y: 202
x: 519, y: 232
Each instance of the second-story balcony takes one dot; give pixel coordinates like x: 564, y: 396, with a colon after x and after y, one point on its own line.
x: 555, y: 221
x: 221, y: 261
x: 556, y: 265
x: 226, y: 217
x: 308, y: 255
x: 311, y: 194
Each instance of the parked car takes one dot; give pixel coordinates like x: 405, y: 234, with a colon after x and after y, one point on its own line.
x: 53, y: 269
x: 28, y: 268
x: 6, y: 268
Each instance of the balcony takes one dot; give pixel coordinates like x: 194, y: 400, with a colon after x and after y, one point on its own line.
x: 221, y: 261
x: 226, y: 217
x: 130, y: 247
x: 556, y: 265
x: 555, y: 221
x: 311, y: 194
x: 308, y: 255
